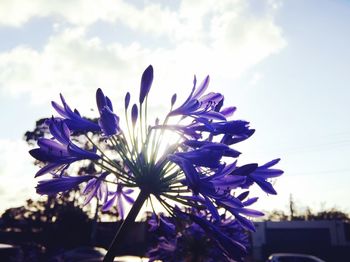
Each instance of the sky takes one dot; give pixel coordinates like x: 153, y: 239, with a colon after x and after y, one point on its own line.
x: 284, y: 64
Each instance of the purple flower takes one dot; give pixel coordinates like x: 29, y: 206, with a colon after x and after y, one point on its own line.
x: 60, y: 154
x: 60, y: 184
x: 165, y: 251
x: 192, y: 176
x: 260, y: 174
x: 120, y: 196
x: 231, y: 247
x: 201, y: 157
x: 232, y: 131
x: 198, y: 239
x: 224, y: 182
x: 230, y: 128
x: 109, y: 122
x: 243, y: 220
x: 226, y: 151
x: 96, y: 187
x: 73, y: 119
x: 160, y: 223
x: 199, y: 105
x: 217, y: 184
x: 214, y: 188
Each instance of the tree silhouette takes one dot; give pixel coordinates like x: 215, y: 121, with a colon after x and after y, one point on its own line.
x: 307, y: 215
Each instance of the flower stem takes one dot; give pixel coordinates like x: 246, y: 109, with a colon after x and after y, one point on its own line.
x: 123, y: 228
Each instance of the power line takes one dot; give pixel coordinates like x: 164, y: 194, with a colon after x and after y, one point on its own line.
x: 321, y: 172
x: 310, y: 148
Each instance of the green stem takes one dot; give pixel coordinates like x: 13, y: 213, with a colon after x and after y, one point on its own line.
x: 125, y: 226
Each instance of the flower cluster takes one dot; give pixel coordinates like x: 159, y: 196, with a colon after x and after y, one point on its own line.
x: 197, y: 167
x: 189, y: 241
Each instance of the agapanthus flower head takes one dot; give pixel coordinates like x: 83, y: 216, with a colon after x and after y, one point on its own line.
x: 184, y: 158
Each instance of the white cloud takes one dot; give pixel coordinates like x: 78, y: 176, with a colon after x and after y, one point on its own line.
x: 224, y: 40
x: 16, y: 173
x: 256, y: 78
x: 69, y: 63
x: 81, y: 12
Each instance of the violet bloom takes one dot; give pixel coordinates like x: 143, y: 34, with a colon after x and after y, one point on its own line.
x: 161, y: 223
x: 260, y: 174
x: 234, y: 128
x: 165, y: 251
x: 73, y: 119
x: 208, y: 145
x: 109, y: 121
x: 96, y: 187
x: 202, y: 157
x: 59, y: 184
x: 119, y: 198
x: 60, y: 152
x: 242, y: 215
x: 198, y: 105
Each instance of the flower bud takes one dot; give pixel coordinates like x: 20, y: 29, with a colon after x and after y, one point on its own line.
x: 134, y: 114
x: 127, y: 100
x: 146, y: 82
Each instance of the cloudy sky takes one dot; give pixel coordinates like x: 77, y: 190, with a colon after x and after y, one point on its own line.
x: 283, y: 63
